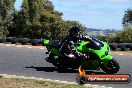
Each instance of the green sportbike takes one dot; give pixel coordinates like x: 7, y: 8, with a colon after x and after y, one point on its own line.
x: 97, y: 51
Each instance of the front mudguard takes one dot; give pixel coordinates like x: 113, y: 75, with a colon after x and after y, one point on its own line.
x: 106, y: 59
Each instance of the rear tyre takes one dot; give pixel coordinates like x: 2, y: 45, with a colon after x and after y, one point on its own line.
x: 59, y: 64
x: 112, y: 67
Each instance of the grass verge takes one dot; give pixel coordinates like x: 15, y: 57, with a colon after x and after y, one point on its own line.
x: 121, y: 52
x: 30, y: 83
x: 129, y: 51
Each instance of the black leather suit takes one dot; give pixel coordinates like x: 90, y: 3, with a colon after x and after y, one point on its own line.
x: 68, y: 45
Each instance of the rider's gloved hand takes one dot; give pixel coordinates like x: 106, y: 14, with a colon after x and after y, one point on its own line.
x: 71, y: 56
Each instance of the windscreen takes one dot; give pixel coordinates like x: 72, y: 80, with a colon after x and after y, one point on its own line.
x: 95, y: 44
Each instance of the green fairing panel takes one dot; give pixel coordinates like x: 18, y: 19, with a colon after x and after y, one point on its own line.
x: 45, y: 41
x: 55, y: 51
x: 101, y: 53
x: 106, y: 58
x: 82, y: 46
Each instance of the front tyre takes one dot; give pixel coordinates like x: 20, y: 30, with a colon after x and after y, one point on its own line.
x: 112, y: 67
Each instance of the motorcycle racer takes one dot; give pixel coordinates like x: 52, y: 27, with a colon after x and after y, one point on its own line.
x: 68, y: 49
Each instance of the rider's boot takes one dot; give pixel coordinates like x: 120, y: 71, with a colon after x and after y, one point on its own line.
x: 48, y: 60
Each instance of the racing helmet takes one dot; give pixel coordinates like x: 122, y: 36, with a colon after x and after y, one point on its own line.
x: 75, y: 31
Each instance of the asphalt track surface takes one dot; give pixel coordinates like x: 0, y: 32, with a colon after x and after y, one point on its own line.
x: 30, y: 62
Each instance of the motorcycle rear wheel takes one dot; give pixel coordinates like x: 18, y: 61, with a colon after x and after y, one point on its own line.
x: 59, y: 65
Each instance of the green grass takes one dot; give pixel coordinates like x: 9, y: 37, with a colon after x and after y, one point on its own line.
x: 29, y: 83
x: 130, y: 51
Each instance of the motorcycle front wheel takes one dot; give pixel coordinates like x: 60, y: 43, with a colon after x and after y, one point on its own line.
x: 111, y: 68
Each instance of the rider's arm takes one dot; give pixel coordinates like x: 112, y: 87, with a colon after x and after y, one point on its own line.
x: 73, y: 49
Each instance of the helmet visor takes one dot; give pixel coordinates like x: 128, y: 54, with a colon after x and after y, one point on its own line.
x: 76, y: 34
